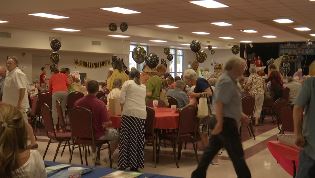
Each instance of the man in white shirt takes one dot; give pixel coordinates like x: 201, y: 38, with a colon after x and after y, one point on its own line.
x: 15, y: 92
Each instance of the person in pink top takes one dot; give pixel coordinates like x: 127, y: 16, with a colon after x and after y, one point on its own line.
x: 58, y: 86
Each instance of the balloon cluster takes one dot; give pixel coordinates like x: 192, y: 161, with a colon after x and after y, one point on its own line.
x: 235, y: 49
x: 55, y: 45
x: 201, y: 55
x: 113, y: 27
x: 167, y: 52
x: 212, y: 51
x: 152, y: 60
x: 139, y: 54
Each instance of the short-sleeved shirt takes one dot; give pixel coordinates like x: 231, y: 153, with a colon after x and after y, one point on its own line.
x: 116, y: 75
x: 58, y: 82
x: 154, y: 85
x: 99, y: 112
x: 306, y: 99
x: 228, y: 92
x: 14, y: 81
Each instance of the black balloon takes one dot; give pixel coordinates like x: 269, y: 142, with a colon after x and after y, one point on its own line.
x: 169, y: 57
x: 195, y: 46
x: 123, y: 26
x: 201, y: 56
x: 235, y: 49
x: 54, y: 57
x: 167, y: 51
x: 112, y: 27
x: 212, y: 51
x: 152, y: 60
x: 55, y: 44
x: 163, y: 61
x: 209, y: 47
x: 139, y: 54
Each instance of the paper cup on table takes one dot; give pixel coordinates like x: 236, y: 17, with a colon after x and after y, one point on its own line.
x: 155, y: 103
x: 173, y: 107
x: 74, y: 172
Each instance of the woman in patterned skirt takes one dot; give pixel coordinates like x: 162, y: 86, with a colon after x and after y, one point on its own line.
x: 134, y: 113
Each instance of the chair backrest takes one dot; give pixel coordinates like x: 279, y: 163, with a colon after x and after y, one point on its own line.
x: 72, y: 98
x: 34, y: 101
x: 47, y: 119
x: 161, y: 103
x: 149, y: 122
x: 286, y: 118
x: 100, y: 94
x: 44, y: 97
x: 278, y: 104
x: 188, y: 122
x: 81, y: 123
x: 172, y: 101
x: 286, y: 93
x: 268, y: 102
x: 248, y: 105
x: 60, y: 112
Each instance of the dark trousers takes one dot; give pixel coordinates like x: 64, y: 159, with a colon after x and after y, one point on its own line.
x: 230, y: 139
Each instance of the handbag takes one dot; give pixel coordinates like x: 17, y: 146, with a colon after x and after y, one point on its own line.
x: 203, y: 108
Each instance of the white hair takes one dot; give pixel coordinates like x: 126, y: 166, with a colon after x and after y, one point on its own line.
x: 190, y: 74
x: 233, y: 63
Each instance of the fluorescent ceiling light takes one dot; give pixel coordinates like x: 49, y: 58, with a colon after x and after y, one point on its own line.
x: 3, y: 21
x: 158, y: 41
x: 119, y: 36
x: 221, y: 24
x: 245, y: 41
x: 167, y: 26
x: 120, y: 10
x: 209, y: 4
x: 214, y: 47
x: 249, y: 31
x: 66, y: 29
x: 226, y: 38
x: 269, y: 36
x: 185, y: 44
x: 302, y: 29
x: 50, y: 16
x: 201, y: 33
x: 313, y: 33
x: 283, y: 20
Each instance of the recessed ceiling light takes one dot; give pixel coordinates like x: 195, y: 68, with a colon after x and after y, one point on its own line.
x: 185, y: 44
x: 312, y: 0
x: 221, y: 24
x: 283, y: 20
x: 3, y: 21
x: 158, y: 41
x: 313, y: 33
x: 209, y: 4
x: 269, y: 36
x: 50, y: 16
x: 119, y: 36
x: 201, y: 33
x: 120, y: 10
x: 226, y: 38
x: 167, y: 26
x: 302, y: 29
x: 214, y: 47
x: 249, y: 31
x: 245, y: 41
x: 66, y: 29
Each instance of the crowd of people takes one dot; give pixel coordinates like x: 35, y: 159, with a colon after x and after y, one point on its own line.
x: 133, y: 89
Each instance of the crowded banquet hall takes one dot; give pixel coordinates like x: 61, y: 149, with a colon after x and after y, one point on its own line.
x: 155, y: 88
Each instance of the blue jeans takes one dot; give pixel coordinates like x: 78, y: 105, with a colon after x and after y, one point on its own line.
x: 306, y: 166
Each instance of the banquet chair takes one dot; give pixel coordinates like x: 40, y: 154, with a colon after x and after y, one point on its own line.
x: 267, y: 108
x: 33, y: 117
x: 286, y: 118
x: 187, y: 131
x: 248, y: 105
x: 150, y: 135
x: 53, y: 134
x: 172, y: 101
x: 81, y: 123
x: 277, y: 106
x: 72, y: 98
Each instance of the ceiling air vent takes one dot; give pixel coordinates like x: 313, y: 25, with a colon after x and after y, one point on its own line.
x: 5, y: 35
x: 180, y: 37
x: 96, y: 43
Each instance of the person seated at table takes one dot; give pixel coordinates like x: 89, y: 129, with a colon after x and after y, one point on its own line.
x: 131, y: 147
x: 179, y: 94
x: 294, y: 87
x: 16, y: 160
x: 100, y: 117
x: 116, y: 91
x: 154, y: 84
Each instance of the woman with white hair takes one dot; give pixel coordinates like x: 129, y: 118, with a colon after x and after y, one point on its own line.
x: 255, y: 86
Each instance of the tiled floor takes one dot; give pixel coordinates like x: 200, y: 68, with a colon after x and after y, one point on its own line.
x: 259, y: 159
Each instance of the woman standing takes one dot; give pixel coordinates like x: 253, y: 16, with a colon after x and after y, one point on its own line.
x: 134, y: 113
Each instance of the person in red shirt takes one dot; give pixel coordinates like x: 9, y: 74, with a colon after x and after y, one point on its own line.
x: 100, y: 117
x: 42, y: 79
x: 58, y: 87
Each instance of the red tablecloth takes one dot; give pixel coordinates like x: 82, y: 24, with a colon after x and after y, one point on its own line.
x: 165, y: 118
x: 285, y: 155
